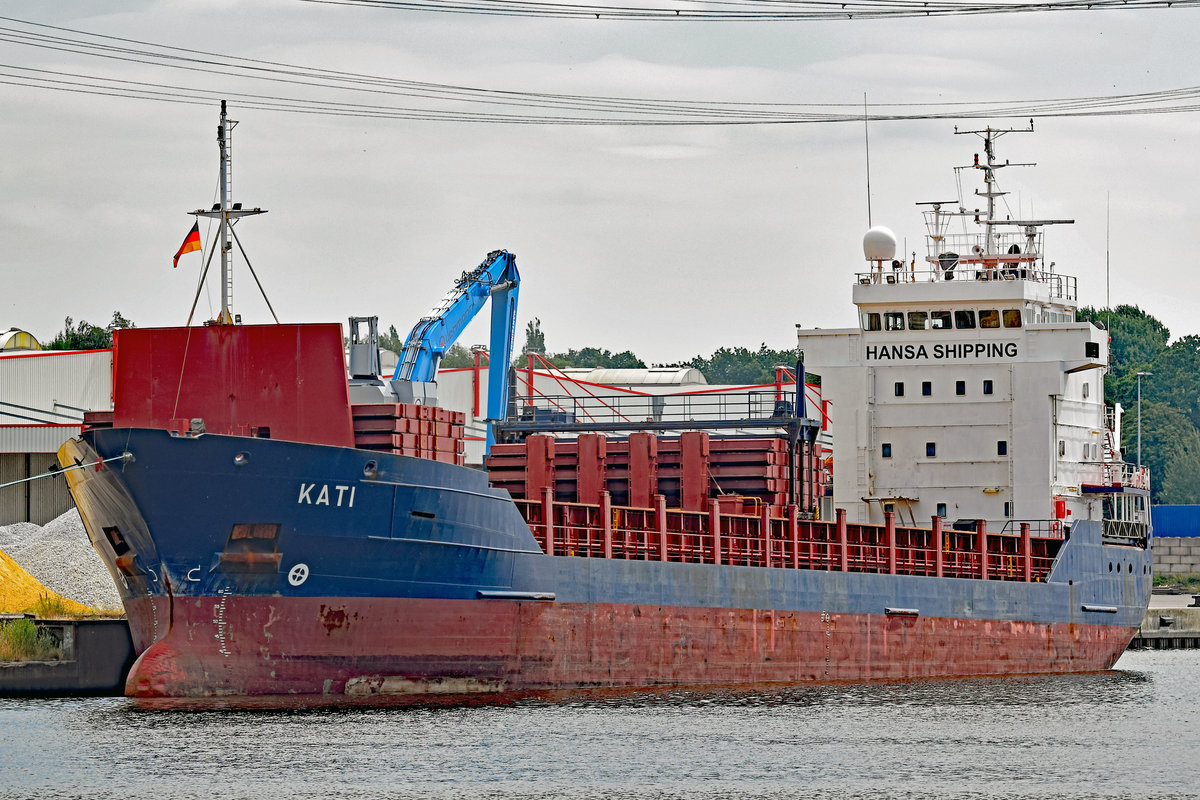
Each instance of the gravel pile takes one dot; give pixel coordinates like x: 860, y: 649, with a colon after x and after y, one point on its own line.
x: 60, y: 555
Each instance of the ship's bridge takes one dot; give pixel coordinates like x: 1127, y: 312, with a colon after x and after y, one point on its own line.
x: 968, y: 389
x: 927, y: 302
x: 997, y: 279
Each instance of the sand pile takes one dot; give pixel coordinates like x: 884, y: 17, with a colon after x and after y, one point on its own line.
x: 59, y: 555
x: 20, y: 591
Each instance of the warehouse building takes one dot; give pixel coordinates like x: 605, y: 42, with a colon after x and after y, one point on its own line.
x: 43, y: 394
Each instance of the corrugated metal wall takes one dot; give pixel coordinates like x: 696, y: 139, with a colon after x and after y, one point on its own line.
x: 35, y: 438
x: 36, y: 501
x: 53, y: 387
x: 42, y: 399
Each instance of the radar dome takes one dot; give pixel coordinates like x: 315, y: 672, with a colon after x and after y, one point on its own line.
x: 879, y: 244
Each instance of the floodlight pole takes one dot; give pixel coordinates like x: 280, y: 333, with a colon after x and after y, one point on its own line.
x: 1139, y: 402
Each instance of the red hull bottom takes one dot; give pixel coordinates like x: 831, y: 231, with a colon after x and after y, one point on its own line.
x: 365, y: 646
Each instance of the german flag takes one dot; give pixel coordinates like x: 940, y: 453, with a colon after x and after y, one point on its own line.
x: 192, y: 242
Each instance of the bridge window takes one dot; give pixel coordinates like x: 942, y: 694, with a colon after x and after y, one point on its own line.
x: 989, y: 318
x: 893, y: 320
x: 939, y: 320
x: 871, y: 322
x: 964, y: 320
x: 1012, y: 317
x: 918, y: 320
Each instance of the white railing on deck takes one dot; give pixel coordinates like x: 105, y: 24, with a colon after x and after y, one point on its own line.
x: 1107, y: 473
x: 1062, y: 287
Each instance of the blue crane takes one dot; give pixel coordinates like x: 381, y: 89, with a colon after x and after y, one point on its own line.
x: 431, y: 337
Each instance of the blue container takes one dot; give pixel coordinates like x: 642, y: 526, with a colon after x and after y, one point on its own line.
x: 1175, y: 521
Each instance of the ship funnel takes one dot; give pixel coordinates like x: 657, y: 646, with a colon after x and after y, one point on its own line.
x: 879, y: 244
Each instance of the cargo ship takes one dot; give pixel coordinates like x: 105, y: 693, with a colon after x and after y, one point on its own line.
x: 280, y: 519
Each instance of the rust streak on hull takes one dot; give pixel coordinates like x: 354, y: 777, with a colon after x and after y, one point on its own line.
x: 465, y: 646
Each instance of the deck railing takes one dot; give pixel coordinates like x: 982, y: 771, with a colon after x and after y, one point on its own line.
x: 997, y: 268
x: 1025, y: 552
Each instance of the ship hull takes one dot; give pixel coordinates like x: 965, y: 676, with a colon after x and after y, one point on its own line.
x: 367, y: 646
x: 419, y: 579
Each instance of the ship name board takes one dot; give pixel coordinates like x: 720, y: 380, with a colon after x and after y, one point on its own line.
x: 341, y: 497
x: 951, y: 351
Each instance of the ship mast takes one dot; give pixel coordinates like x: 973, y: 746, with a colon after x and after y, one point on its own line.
x: 228, y: 213
x: 991, y: 192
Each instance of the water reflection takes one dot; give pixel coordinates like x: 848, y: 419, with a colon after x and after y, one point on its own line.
x: 1112, y: 686
x: 1106, y: 734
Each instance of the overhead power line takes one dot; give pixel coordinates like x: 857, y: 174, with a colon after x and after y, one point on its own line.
x: 181, y: 75
x: 750, y: 10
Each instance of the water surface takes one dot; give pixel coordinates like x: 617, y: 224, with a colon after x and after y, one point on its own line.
x: 1130, y: 732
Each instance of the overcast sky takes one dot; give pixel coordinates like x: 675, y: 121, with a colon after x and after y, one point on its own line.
x: 667, y: 241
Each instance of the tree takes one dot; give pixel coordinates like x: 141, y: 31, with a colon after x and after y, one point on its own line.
x: 740, y: 365
x: 1170, y: 448
x: 595, y: 357
x: 456, y: 355
x: 1175, y: 380
x: 86, y: 336
x: 1136, y: 341
x: 535, y: 340
x: 391, y: 340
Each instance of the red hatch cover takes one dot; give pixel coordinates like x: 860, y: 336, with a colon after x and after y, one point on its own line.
x: 278, y: 381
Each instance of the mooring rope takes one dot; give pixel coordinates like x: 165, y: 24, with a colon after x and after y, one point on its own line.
x: 60, y: 470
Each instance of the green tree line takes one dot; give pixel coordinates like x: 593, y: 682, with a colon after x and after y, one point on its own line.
x: 1170, y: 397
x: 83, y: 335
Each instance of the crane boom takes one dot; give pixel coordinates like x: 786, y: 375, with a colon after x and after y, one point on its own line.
x: 496, y: 278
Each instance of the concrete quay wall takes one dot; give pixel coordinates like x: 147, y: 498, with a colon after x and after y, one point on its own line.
x: 1177, y: 555
x: 1169, y: 628
x: 97, y: 655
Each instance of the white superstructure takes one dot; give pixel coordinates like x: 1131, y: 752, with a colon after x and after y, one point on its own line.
x: 969, y: 390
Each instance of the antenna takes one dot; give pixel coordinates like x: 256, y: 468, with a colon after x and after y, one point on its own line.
x: 989, y: 167
x: 867, y: 142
